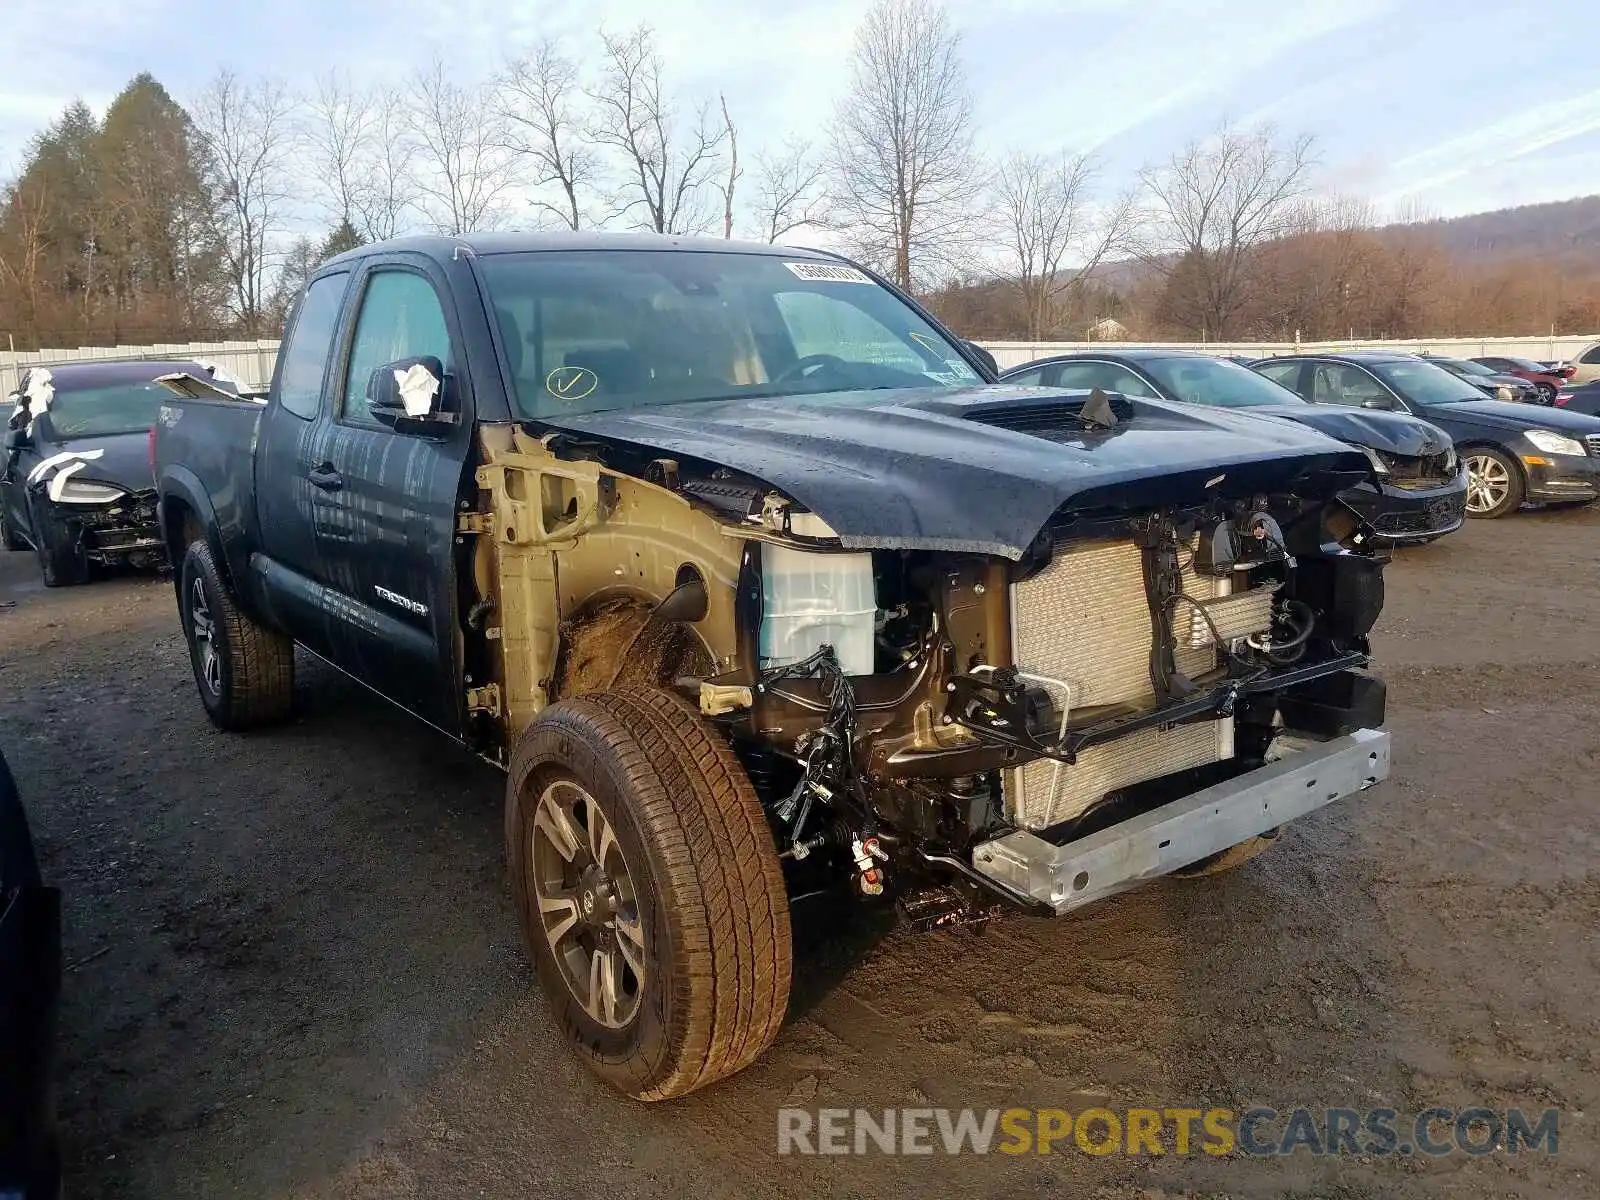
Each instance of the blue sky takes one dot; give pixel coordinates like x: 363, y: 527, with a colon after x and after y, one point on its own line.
x: 1457, y: 105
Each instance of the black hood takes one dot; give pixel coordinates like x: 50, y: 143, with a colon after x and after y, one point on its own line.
x: 1391, y: 432
x: 124, y: 459
x: 1499, y: 414
x: 979, y: 469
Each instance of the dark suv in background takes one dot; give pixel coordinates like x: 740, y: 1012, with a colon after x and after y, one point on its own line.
x: 1421, y: 493
x: 1513, y: 452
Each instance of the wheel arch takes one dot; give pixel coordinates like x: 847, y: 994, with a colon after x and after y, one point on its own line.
x: 184, y: 514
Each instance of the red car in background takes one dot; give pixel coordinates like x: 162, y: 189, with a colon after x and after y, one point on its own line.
x: 1542, y: 377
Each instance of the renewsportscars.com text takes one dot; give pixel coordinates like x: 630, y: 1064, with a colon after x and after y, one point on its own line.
x: 1260, y: 1131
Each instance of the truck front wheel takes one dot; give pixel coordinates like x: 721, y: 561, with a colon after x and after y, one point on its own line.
x: 649, y: 891
x: 245, y: 671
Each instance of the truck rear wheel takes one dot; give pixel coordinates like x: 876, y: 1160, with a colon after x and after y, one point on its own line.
x: 649, y: 891
x: 245, y: 671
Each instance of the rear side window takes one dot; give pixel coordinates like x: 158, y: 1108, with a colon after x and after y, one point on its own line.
x: 305, y: 354
x: 1287, y: 374
x: 401, y: 317
x: 1591, y: 355
x: 1103, y: 375
x: 1031, y: 378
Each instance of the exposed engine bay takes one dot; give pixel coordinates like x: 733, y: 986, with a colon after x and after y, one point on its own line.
x: 1045, y: 695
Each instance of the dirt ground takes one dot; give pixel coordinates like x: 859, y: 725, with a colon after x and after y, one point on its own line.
x: 295, y: 971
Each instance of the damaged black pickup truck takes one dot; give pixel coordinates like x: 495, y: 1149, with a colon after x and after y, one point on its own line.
x: 750, y: 577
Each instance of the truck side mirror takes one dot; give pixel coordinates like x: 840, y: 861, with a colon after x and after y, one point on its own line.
x: 407, y: 395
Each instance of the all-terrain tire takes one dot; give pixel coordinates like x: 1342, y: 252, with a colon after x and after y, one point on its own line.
x: 709, y: 889
x: 251, y: 680
x: 1227, y: 860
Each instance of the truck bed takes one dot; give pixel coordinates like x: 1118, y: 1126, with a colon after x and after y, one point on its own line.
x: 206, y: 447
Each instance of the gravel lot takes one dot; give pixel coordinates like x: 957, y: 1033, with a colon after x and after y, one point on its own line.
x: 295, y: 970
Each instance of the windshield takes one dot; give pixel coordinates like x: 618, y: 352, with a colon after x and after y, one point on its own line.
x: 1462, y: 366
x: 1423, y: 383
x: 587, y: 330
x: 1217, y: 382
x: 103, y: 411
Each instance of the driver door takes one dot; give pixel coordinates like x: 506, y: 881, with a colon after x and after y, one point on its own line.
x: 386, y: 500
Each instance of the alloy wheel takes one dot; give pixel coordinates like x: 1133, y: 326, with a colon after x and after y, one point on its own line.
x: 204, y: 630
x: 1488, y: 483
x: 588, y: 905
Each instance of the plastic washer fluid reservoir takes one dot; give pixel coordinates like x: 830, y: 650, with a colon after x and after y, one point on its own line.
x: 810, y: 599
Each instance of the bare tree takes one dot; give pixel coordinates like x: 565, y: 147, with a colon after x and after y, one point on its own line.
x: 384, y: 195
x: 27, y: 211
x: 790, y: 191
x: 462, y: 167
x: 1213, y: 204
x: 902, y: 139
x: 668, y: 164
x: 1055, y: 235
x: 338, y: 131
x: 539, y: 95
x: 734, y: 171
x: 247, y: 133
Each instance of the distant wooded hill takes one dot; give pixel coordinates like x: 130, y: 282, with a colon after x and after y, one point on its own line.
x: 1564, y: 228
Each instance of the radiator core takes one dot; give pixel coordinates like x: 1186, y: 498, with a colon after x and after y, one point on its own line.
x: 1085, y: 620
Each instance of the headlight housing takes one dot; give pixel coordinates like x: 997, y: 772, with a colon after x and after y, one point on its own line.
x: 1376, y: 459
x: 1553, y: 443
x: 1451, y: 459
x: 1503, y: 392
x: 85, y: 491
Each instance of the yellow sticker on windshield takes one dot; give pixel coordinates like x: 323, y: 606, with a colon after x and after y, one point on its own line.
x: 571, y: 383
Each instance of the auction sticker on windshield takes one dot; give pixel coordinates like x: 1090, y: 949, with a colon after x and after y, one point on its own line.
x: 828, y: 273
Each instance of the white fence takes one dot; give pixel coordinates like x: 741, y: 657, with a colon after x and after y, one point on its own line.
x: 251, y: 362
x: 1014, y: 354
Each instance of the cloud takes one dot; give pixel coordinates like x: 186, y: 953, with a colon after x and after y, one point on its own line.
x: 1498, y: 144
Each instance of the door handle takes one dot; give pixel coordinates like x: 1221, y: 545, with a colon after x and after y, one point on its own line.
x: 325, y: 477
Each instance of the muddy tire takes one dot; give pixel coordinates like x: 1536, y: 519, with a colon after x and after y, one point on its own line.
x: 244, y: 671
x: 1227, y: 860
x: 649, y: 891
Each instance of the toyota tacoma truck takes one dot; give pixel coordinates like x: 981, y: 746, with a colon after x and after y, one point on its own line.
x: 754, y: 582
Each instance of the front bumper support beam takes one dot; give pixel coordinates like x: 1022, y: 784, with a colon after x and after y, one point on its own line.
x: 1186, y: 830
